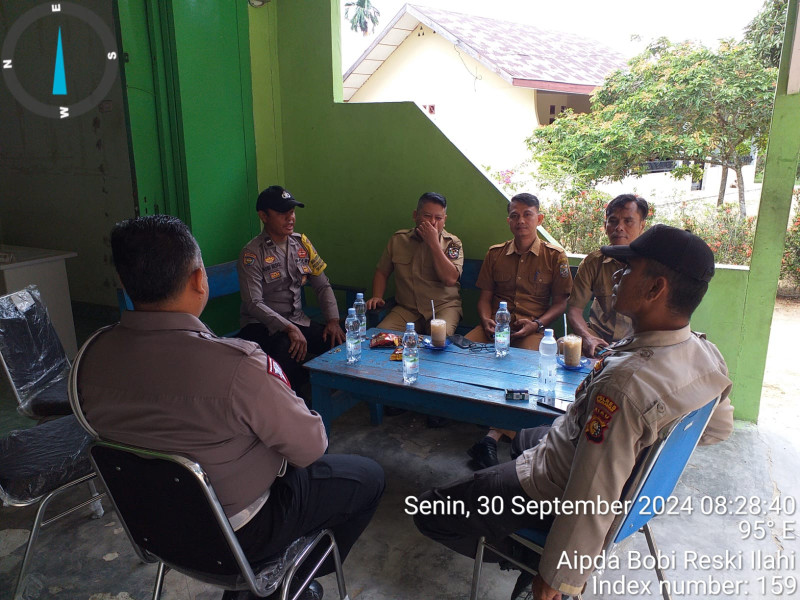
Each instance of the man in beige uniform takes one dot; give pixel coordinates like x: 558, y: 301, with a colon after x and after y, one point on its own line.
x: 162, y: 380
x: 644, y: 383
x: 427, y: 262
x: 532, y: 276
x: 273, y: 268
x: 626, y: 217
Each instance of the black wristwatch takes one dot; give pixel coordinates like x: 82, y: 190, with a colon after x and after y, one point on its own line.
x: 540, y: 324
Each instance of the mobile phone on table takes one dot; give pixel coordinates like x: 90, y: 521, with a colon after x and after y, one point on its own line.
x: 460, y: 341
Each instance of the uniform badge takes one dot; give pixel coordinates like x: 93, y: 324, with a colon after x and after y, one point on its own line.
x: 286, y: 195
x: 604, y: 409
x: 598, y: 366
x: 563, y: 270
x: 594, y: 430
x: 275, y: 370
x: 303, y: 280
x: 453, y: 251
x: 306, y: 269
x: 248, y: 258
x: 275, y: 275
x: 301, y: 252
x: 606, y: 403
x: 269, y: 259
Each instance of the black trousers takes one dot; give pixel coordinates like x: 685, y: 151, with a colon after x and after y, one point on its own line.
x: 492, y: 492
x: 338, y: 492
x: 277, y: 346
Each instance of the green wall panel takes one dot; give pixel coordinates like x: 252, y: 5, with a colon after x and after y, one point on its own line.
x: 215, y: 113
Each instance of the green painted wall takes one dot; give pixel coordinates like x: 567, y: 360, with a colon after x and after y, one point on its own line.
x: 361, y: 168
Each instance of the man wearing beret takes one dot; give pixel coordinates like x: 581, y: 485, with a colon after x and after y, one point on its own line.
x: 643, y: 384
x: 273, y: 268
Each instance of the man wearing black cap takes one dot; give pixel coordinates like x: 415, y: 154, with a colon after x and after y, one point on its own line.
x: 643, y: 383
x: 273, y: 267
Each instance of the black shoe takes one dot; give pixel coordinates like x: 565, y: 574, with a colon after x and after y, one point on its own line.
x: 522, y: 589
x: 484, y: 453
x: 314, y: 591
x: 392, y: 411
x: 436, y: 422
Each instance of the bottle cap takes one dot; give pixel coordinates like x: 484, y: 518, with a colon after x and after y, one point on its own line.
x: 548, y: 333
x: 351, y: 312
x: 503, y: 306
x: 409, y: 327
x: 359, y: 296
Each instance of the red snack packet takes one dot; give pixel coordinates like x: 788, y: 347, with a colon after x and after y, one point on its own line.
x: 384, y: 340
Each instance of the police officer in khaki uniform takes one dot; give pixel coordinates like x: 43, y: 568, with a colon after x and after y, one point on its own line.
x: 626, y: 217
x: 160, y: 379
x: 272, y: 268
x: 427, y: 262
x: 646, y: 382
x: 532, y: 276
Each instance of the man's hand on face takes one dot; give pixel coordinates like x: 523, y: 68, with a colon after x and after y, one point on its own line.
x: 375, y: 303
x: 334, y: 332
x: 297, y: 343
x: 428, y: 233
x: 592, y: 344
x: 522, y: 328
x: 542, y: 591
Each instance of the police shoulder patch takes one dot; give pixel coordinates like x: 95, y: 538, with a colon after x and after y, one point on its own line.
x: 604, y: 409
x: 248, y: 258
x: 563, y: 270
x: 595, y: 429
x: 453, y: 251
x: 275, y: 370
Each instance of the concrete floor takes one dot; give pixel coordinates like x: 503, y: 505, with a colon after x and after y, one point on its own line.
x: 81, y: 558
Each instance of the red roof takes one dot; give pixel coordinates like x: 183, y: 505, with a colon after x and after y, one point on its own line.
x: 524, y: 55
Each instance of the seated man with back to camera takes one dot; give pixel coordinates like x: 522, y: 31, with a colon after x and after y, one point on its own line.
x: 643, y: 384
x: 273, y: 268
x: 161, y: 380
x: 532, y: 276
x: 626, y: 217
x: 427, y: 262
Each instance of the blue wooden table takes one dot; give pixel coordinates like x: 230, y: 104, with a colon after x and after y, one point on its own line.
x: 456, y: 383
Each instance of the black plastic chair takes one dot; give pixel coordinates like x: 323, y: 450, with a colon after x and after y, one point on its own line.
x: 173, y: 517
x: 32, y: 355
x: 656, y: 474
x: 39, y: 464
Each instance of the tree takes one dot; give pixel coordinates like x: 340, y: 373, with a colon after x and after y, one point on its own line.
x: 364, y: 13
x: 765, y: 32
x: 675, y: 101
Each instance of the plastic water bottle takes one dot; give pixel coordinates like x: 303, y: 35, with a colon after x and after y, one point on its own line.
x: 410, y: 355
x: 502, y: 330
x: 548, y: 348
x: 353, y: 338
x: 361, y: 313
